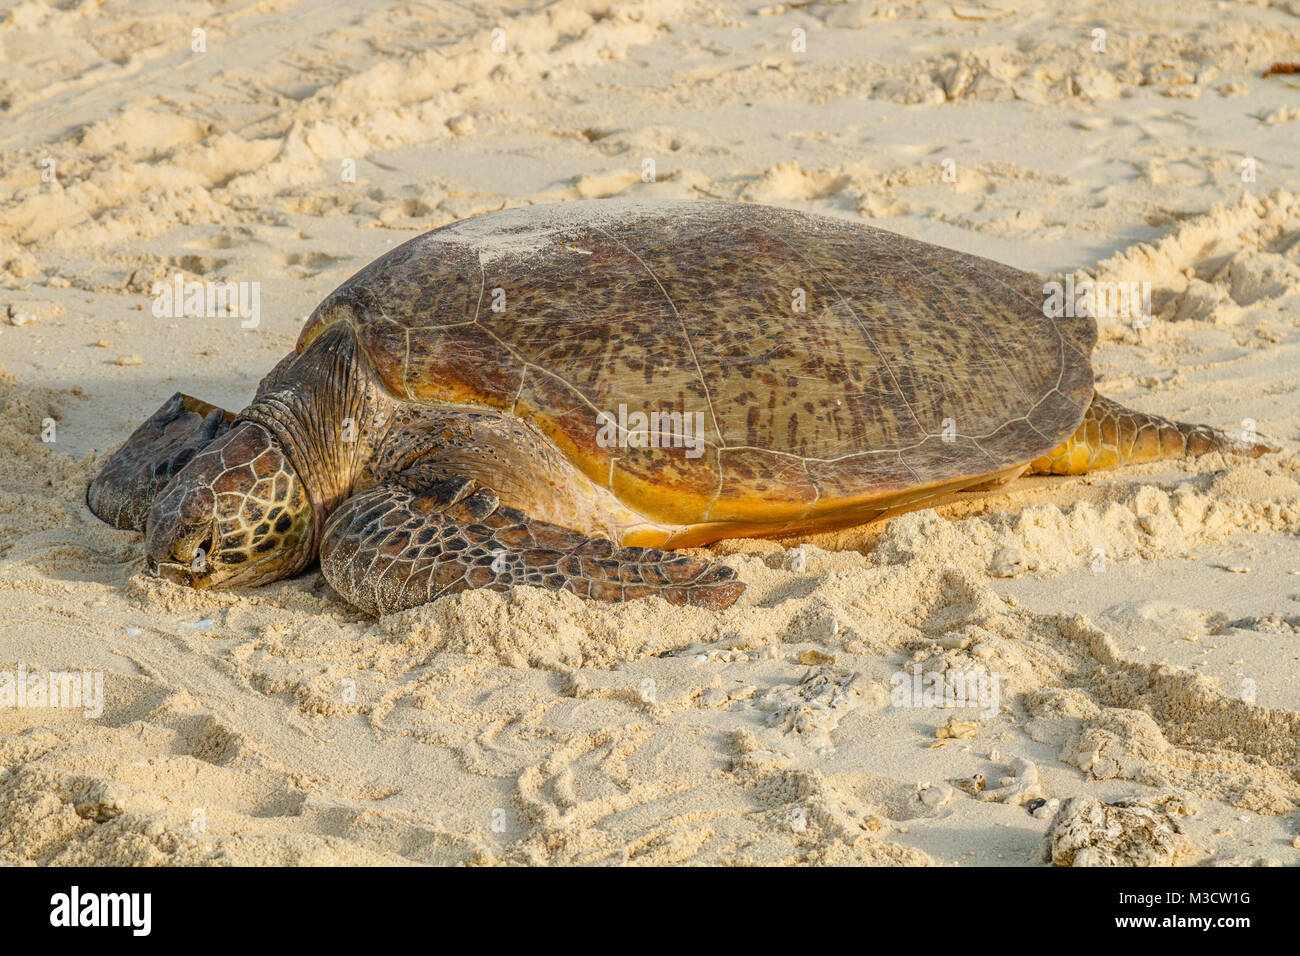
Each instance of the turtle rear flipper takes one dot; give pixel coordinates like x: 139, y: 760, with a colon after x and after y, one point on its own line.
x: 122, y: 493
x: 1111, y: 434
x: 409, y: 542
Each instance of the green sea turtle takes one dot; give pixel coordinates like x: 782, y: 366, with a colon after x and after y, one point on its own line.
x: 548, y: 395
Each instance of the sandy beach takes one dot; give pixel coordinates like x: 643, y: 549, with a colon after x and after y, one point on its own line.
x: 1135, y: 632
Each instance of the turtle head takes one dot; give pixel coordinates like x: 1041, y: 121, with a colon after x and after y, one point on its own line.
x: 237, y: 515
x: 249, y: 507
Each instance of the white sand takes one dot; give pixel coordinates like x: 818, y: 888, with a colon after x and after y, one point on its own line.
x: 277, y: 725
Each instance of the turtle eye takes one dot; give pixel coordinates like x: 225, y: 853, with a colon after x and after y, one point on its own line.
x: 208, y: 549
x: 195, y: 551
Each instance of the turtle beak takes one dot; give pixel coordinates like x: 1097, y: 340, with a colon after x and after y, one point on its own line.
x: 177, y: 553
x: 171, y: 571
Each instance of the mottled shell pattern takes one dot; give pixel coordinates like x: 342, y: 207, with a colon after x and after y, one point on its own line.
x: 829, y: 365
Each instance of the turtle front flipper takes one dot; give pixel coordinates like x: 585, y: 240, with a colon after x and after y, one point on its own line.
x: 1111, y: 434
x: 123, y: 492
x: 410, y: 541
